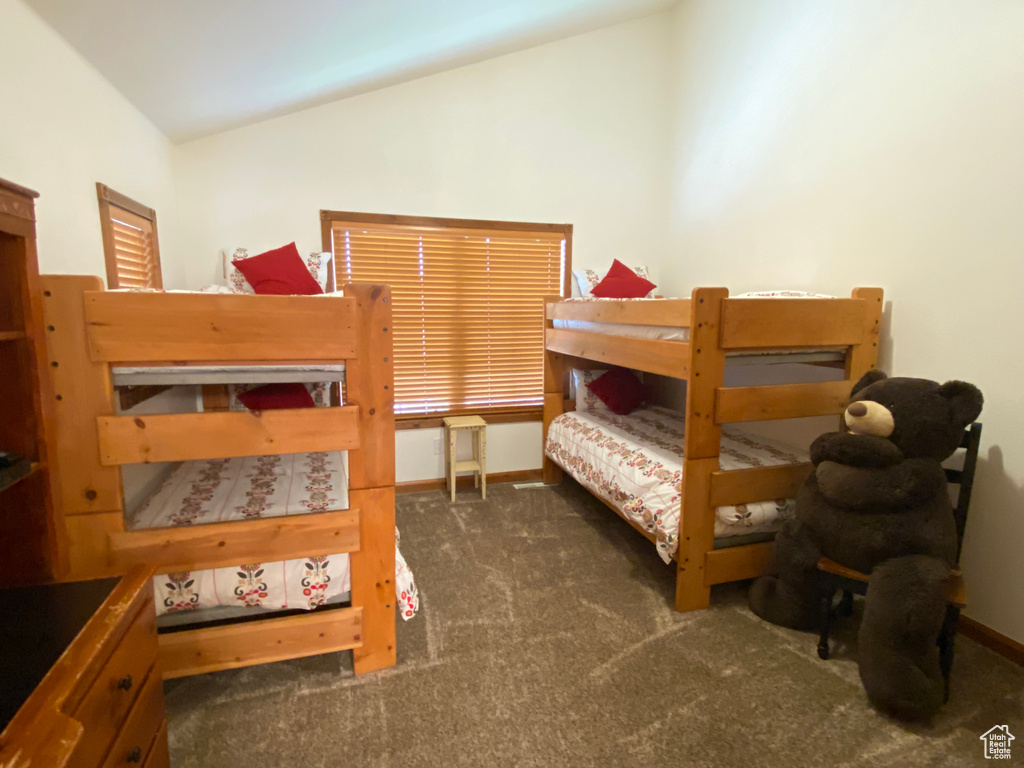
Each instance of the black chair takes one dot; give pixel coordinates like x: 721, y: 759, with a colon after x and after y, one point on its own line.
x: 837, y: 577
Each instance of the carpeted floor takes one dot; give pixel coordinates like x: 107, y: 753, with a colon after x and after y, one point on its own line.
x: 546, y: 638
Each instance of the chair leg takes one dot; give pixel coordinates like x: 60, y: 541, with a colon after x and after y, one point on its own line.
x: 947, y: 645
x: 476, y: 457
x: 452, y: 441
x: 445, y: 450
x: 483, y: 464
x: 826, y: 622
x: 846, y: 604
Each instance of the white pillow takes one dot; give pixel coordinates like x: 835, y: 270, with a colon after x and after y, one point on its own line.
x: 586, y: 279
x: 585, y: 399
x: 236, y: 280
x: 317, y: 263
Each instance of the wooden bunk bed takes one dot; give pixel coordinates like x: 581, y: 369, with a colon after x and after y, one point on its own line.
x: 89, y: 331
x: 719, y: 328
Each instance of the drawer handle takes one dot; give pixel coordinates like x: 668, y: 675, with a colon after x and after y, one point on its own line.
x: 135, y: 756
x: 125, y: 683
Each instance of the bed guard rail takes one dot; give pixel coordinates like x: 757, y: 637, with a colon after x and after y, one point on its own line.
x: 152, y: 327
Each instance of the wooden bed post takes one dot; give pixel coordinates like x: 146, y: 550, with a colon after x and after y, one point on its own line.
x: 863, y: 357
x: 90, y: 493
x: 369, y: 381
x: 703, y: 441
x: 554, y: 397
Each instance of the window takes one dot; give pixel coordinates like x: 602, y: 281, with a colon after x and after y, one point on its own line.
x: 129, y: 241
x: 467, y: 304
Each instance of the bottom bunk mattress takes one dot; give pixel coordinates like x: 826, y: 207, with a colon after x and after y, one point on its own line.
x: 635, y: 463
x: 219, y: 490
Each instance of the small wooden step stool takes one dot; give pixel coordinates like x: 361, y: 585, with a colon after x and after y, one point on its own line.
x: 478, y: 427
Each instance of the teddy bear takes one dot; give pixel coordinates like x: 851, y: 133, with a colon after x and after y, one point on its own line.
x: 877, y: 502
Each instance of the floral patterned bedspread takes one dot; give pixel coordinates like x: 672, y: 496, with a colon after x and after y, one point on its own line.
x: 249, y: 488
x: 635, y: 462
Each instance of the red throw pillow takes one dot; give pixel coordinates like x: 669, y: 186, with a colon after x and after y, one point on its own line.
x: 270, y: 397
x: 280, y: 272
x: 620, y: 390
x: 621, y: 282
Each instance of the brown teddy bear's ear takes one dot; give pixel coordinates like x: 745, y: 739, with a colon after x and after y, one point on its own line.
x: 966, y: 398
x: 867, y: 380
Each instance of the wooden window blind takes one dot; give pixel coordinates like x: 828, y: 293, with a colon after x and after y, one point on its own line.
x: 129, y: 241
x: 467, y: 304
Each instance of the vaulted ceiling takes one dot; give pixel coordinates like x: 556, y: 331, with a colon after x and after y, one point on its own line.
x: 196, y: 67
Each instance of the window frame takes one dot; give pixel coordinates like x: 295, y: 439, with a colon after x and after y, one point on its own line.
x: 420, y: 421
x: 108, y: 198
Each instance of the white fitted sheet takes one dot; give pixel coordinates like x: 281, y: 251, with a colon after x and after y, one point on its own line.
x: 180, y: 375
x: 661, y: 332
x: 635, y: 462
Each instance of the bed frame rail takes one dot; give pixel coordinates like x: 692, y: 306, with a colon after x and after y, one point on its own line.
x: 735, y: 563
x: 668, y: 358
x: 765, y: 323
x: 187, y: 436
x: 781, y: 401
x: 209, y: 649
x: 219, y: 545
x: 743, y: 486
x: 675, y: 312
x: 150, y: 327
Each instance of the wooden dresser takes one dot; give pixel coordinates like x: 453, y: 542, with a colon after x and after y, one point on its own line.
x: 99, y: 701
x: 28, y: 517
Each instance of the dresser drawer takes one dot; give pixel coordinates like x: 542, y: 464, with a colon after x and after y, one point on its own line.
x: 106, y: 704
x: 146, y: 718
x: 159, y: 756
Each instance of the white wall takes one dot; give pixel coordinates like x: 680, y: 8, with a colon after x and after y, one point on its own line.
x: 419, y: 453
x: 824, y: 145
x: 573, y: 131
x: 796, y: 144
x: 64, y: 127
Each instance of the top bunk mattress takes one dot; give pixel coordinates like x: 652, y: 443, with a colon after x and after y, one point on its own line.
x: 221, y: 290
x: 635, y: 463
x: 180, y: 375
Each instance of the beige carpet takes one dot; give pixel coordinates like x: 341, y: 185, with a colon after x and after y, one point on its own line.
x: 546, y: 638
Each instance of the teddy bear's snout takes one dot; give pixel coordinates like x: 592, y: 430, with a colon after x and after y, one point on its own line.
x: 857, y: 409
x: 866, y: 417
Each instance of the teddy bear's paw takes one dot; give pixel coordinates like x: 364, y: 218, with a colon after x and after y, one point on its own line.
x: 907, y: 689
x: 855, y: 450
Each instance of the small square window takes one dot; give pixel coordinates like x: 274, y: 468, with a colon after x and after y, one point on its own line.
x: 129, y: 241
